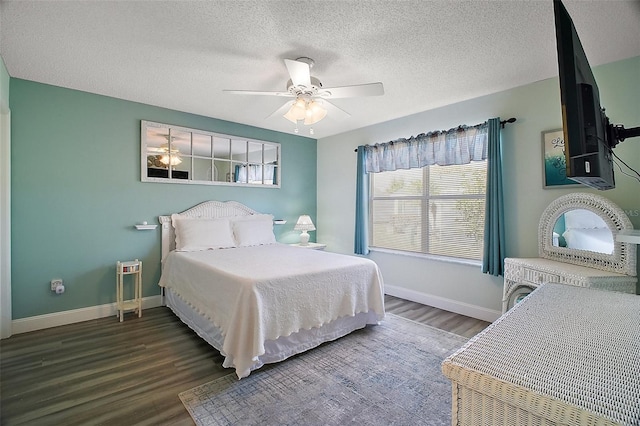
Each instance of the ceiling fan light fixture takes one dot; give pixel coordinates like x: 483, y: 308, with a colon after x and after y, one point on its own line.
x: 297, y: 111
x: 314, y: 113
x: 309, y: 111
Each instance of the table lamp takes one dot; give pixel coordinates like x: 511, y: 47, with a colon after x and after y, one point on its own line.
x: 304, y: 224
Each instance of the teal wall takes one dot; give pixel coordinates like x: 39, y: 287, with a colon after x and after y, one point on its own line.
x: 76, y: 193
x: 4, y: 86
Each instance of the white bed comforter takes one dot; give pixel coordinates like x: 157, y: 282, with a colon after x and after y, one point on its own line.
x: 598, y: 239
x: 260, y: 293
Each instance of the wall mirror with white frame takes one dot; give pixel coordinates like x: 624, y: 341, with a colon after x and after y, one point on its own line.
x: 189, y: 156
x: 581, y: 228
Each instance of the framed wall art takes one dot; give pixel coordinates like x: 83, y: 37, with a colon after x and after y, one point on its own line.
x: 554, y: 166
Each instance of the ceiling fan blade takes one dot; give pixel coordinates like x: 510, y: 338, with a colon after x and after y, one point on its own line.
x: 334, y: 111
x: 253, y: 92
x: 370, y: 89
x: 282, y: 110
x: 299, y: 72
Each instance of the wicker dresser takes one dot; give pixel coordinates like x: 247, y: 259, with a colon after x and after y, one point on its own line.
x: 565, y: 355
x: 529, y: 273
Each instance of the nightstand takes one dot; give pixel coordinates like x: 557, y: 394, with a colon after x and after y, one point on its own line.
x: 312, y: 246
x: 133, y: 268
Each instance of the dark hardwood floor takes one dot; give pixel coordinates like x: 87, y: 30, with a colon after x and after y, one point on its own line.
x: 444, y: 320
x: 103, y: 372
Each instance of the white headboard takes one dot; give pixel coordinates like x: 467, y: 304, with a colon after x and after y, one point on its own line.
x: 208, y: 210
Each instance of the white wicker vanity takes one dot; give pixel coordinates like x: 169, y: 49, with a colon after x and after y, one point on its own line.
x: 565, y: 355
x: 569, y: 352
x: 615, y: 271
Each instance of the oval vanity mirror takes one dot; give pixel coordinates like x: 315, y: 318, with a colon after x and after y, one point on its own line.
x: 582, y: 229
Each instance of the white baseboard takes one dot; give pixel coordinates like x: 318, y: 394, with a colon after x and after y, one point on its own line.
x: 24, y: 325
x: 450, y: 305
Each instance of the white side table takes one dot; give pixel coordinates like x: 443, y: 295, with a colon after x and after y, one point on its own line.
x: 134, y: 268
x: 312, y: 246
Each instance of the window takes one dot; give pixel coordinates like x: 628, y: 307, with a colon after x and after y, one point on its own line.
x: 434, y: 210
x: 181, y: 155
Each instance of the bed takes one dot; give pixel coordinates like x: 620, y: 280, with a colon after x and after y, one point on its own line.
x: 255, y: 300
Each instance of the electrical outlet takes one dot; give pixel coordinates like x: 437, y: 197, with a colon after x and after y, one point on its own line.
x: 55, y: 283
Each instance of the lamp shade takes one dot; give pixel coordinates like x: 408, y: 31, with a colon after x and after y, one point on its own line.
x: 304, y: 224
x: 314, y: 113
x: 307, y: 110
x: 297, y: 112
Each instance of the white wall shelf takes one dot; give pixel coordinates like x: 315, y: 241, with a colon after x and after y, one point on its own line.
x: 145, y: 227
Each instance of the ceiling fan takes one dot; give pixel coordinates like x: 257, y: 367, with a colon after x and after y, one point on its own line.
x: 311, y: 100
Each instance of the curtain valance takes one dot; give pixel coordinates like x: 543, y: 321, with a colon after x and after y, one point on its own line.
x: 459, y: 145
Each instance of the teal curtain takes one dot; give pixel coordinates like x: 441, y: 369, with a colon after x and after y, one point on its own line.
x: 361, y: 244
x: 494, y: 246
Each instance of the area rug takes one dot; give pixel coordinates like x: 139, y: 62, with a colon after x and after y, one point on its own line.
x: 387, y: 374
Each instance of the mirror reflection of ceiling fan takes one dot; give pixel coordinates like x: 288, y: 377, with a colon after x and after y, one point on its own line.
x: 311, y: 100
x: 164, y: 156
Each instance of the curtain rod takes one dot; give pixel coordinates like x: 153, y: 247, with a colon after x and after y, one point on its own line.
x: 507, y: 121
x: 502, y: 124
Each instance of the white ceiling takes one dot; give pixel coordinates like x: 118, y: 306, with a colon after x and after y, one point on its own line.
x: 183, y: 54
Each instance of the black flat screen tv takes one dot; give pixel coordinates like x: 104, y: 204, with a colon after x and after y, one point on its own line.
x: 588, y: 135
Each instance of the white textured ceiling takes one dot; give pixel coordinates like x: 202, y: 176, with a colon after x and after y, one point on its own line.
x: 182, y: 54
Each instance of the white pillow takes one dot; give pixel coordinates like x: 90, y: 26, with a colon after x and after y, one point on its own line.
x: 583, y: 219
x: 254, y: 232
x: 196, y: 234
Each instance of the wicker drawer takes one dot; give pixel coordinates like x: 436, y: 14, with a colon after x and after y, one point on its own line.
x: 538, y: 277
x: 513, y: 406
